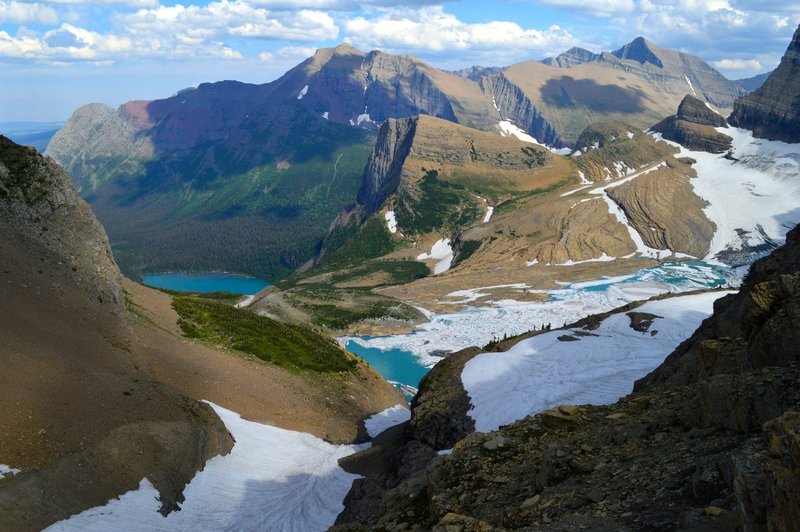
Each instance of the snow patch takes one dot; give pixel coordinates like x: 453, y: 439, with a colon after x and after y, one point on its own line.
x: 509, y: 129
x: 543, y: 371
x: 489, y: 212
x: 325, y: 115
x: 442, y: 252
x: 630, y: 134
x: 601, y: 258
x: 394, y: 415
x: 273, y: 479
x: 303, y: 92
x: 583, y: 179
x: 391, y: 222
x: 364, y: 117
x: 571, y: 192
x: 690, y: 84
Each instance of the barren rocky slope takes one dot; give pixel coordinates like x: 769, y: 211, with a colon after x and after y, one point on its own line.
x: 707, y: 442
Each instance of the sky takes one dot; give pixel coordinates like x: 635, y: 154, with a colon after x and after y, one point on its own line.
x: 56, y: 55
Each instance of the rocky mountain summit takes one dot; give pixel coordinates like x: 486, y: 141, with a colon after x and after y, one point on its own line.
x: 693, y: 127
x: 708, y: 441
x: 772, y: 111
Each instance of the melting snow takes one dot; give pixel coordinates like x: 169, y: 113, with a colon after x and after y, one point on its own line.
x: 543, y: 372
x: 488, y: 216
x: 325, y: 115
x: 583, y: 179
x: 391, y: 222
x: 442, y: 252
x: 303, y: 92
x: 509, y: 129
x: 390, y: 417
x: 273, y: 479
x: 630, y: 134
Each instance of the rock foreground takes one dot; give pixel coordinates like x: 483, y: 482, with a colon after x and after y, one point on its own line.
x: 708, y: 441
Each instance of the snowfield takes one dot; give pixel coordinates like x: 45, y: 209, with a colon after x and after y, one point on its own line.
x: 273, y: 479
x: 391, y: 222
x: 543, y: 371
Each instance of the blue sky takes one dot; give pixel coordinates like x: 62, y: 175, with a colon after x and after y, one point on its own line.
x: 56, y: 55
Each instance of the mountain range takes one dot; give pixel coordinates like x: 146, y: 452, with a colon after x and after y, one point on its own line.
x: 249, y: 178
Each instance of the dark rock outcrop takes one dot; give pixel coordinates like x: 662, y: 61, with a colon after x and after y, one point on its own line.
x: 693, y: 127
x: 773, y: 110
x: 709, y: 441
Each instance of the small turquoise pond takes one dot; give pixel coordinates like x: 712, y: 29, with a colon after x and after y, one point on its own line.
x: 206, y: 282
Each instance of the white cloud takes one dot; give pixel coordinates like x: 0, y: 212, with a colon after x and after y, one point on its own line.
x: 127, y: 3
x: 738, y: 64
x: 595, y: 8
x: 265, y: 56
x: 26, y: 13
x: 227, y: 18
x: 433, y: 30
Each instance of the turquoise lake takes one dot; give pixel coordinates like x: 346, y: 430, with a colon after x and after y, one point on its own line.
x: 206, y: 282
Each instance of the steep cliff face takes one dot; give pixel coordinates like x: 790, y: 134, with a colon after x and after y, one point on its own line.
x: 708, y: 441
x: 514, y: 103
x: 39, y: 205
x: 772, y: 110
x: 693, y: 127
x: 384, y: 169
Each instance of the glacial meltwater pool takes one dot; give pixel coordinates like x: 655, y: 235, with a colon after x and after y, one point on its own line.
x: 405, y: 358
x: 206, y: 282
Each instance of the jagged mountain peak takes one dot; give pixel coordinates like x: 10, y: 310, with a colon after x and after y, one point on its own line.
x: 641, y: 50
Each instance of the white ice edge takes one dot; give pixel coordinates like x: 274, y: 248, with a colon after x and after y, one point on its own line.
x: 273, y: 479
x: 543, y: 372
x: 394, y: 415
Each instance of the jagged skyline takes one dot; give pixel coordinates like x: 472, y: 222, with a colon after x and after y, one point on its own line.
x: 116, y: 50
